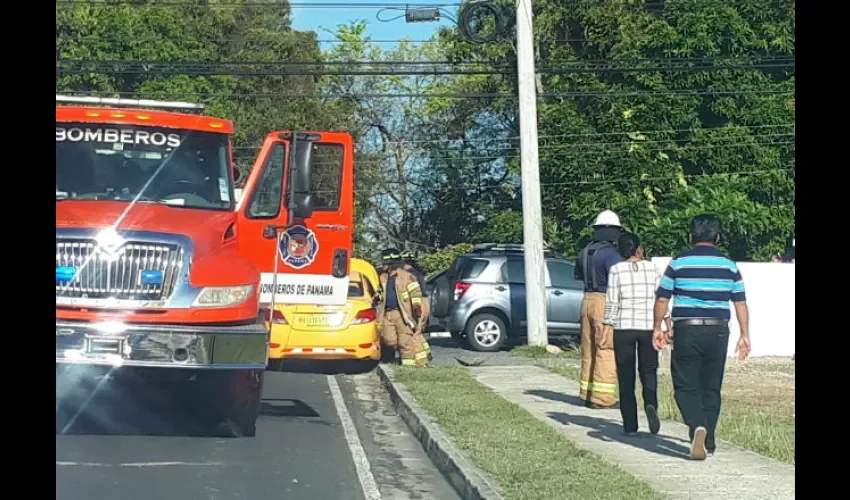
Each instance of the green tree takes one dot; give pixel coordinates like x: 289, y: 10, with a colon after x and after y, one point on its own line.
x: 191, y: 44
x: 689, y: 110
x: 391, y: 195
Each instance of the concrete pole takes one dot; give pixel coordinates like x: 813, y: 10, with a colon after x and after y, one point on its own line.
x: 532, y: 217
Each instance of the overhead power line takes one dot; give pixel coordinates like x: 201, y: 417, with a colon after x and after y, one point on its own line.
x: 542, y: 137
x: 580, y: 144
x: 432, y: 69
x: 441, y: 95
x: 612, y: 154
x: 248, y: 39
x: 252, y: 4
x: 615, y: 180
x: 500, y: 64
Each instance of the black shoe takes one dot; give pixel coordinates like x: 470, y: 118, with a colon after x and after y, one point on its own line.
x: 652, y: 419
x: 594, y: 406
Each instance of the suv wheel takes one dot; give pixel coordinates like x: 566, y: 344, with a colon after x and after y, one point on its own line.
x: 486, y: 333
x: 441, y: 297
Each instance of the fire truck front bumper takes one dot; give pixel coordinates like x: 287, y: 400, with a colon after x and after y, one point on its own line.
x: 196, y: 347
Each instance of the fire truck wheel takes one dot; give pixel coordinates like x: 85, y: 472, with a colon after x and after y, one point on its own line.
x: 231, y: 401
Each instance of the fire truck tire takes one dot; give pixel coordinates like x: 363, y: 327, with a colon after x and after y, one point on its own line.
x: 231, y: 401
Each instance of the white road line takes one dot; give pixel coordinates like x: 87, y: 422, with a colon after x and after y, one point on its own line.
x: 361, y: 463
x: 440, y: 335
x: 134, y: 464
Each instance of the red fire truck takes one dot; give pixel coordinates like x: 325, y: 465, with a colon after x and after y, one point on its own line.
x: 162, y: 272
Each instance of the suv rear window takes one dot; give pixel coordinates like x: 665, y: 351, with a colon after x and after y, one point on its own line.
x: 513, y: 272
x: 472, y: 269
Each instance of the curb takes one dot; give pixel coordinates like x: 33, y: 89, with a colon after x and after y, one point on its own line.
x: 467, y: 480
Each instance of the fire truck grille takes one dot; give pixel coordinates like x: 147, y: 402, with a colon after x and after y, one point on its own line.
x: 136, y: 271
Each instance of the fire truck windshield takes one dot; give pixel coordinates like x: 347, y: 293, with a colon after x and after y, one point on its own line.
x: 147, y: 164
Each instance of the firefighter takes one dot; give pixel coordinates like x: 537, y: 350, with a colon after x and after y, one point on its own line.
x: 410, y: 266
x: 598, y: 384
x: 400, y: 312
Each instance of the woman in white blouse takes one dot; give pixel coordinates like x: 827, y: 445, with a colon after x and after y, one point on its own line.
x: 629, y: 310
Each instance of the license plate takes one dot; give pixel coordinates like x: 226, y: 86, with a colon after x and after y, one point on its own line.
x: 329, y: 320
x: 104, y: 345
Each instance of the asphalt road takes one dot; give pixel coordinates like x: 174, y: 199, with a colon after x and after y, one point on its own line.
x: 319, y: 437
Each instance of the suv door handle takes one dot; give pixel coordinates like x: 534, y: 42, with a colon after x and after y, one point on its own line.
x: 557, y: 292
x: 501, y: 288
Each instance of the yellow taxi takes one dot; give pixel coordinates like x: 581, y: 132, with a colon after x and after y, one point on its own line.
x: 349, y: 331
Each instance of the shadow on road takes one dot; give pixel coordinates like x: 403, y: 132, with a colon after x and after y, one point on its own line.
x: 131, y: 406
x: 287, y: 408
x: 323, y: 367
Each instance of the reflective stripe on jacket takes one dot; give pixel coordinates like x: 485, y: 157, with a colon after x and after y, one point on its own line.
x: 409, y: 294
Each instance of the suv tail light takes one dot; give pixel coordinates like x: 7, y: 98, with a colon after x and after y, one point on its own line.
x: 460, y: 289
x: 364, y: 316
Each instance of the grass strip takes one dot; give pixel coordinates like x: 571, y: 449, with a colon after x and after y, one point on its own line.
x: 530, y: 459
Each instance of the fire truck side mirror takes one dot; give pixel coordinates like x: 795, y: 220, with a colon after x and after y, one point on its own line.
x: 302, y: 172
x: 303, y: 206
x: 237, y: 175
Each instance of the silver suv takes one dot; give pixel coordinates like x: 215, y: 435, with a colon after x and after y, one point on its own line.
x: 480, y: 300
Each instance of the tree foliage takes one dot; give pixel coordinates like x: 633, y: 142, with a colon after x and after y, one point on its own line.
x: 201, y: 33
x: 657, y: 114
x: 656, y: 145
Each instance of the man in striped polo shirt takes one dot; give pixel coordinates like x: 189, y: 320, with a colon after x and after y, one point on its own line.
x: 701, y: 281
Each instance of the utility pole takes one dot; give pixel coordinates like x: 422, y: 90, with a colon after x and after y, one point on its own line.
x: 532, y: 216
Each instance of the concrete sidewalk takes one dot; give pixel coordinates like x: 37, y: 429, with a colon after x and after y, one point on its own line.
x: 663, y: 460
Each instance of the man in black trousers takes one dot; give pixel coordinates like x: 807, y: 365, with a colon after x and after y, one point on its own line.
x: 701, y: 281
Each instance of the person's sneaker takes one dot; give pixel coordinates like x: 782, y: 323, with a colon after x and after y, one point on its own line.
x: 630, y: 433
x: 709, y: 453
x: 652, y: 419
x: 698, y: 450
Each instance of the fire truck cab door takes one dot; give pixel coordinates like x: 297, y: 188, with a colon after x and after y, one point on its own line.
x: 312, y: 252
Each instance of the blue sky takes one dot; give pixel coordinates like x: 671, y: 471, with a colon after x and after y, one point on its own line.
x: 315, y: 18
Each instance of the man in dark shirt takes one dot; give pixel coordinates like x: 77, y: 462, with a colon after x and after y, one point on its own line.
x: 701, y: 281
x: 598, y: 384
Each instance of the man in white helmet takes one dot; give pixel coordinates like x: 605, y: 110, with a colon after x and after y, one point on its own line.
x: 598, y: 383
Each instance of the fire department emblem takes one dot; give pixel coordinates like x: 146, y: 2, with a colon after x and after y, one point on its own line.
x: 298, y: 247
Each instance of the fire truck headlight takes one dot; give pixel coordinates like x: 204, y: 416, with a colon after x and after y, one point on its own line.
x: 223, y: 296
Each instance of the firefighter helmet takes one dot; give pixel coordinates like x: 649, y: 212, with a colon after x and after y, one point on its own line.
x: 607, y: 218
x: 408, y: 256
x: 391, y: 256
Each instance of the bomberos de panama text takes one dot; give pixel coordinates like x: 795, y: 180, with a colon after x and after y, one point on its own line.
x: 300, y: 289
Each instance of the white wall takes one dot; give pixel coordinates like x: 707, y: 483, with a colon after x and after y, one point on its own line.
x: 770, y: 296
